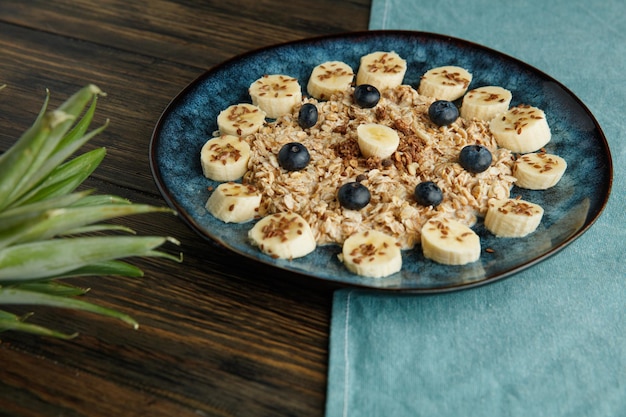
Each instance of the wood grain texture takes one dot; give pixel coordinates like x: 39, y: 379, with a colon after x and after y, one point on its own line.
x: 219, y: 335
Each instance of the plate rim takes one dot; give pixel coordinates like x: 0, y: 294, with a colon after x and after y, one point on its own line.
x: 198, y: 229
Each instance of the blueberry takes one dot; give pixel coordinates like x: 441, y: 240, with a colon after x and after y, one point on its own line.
x: 366, y: 96
x: 428, y: 193
x: 293, y: 156
x: 307, y: 117
x: 475, y: 158
x: 443, y: 113
x: 353, y: 196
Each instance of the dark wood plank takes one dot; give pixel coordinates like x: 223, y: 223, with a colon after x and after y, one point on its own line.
x: 194, y: 33
x: 62, y: 389
x: 219, y: 335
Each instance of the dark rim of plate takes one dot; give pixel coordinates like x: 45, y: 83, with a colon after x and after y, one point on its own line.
x: 362, y: 36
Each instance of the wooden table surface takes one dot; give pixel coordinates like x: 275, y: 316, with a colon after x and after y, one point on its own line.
x: 219, y: 335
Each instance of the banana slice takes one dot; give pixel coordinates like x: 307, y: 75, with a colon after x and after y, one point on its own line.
x: 445, y: 83
x: 372, y: 254
x: 283, y: 235
x: 521, y: 129
x: 240, y: 119
x: 382, y: 70
x: 512, y: 217
x: 377, y: 140
x: 538, y: 171
x: 276, y: 94
x: 485, y: 103
x: 329, y: 78
x: 225, y: 158
x: 449, y: 242
x: 232, y: 202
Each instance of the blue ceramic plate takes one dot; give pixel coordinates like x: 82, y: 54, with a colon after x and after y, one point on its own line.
x: 570, y: 208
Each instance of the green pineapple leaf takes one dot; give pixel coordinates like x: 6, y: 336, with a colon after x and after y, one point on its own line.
x: 25, y: 297
x: 64, y: 178
x: 49, y: 232
x: 53, y: 257
x: 25, y: 161
x: 58, y: 221
x: 54, y: 288
x: 10, y: 321
x: 114, y: 267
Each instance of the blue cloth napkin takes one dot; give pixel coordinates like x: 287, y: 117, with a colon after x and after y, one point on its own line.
x: 549, y: 341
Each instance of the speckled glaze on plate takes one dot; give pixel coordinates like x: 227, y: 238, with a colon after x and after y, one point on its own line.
x: 570, y: 208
